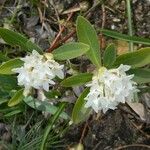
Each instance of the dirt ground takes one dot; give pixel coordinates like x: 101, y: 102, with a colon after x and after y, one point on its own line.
x: 122, y: 129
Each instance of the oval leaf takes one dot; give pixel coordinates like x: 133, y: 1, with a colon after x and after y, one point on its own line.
x: 70, y: 51
x: 16, y: 39
x: 80, y: 113
x: 109, y: 55
x: 87, y: 34
x: 6, y: 67
x: 141, y: 75
x: 32, y: 46
x: 43, y: 106
x: 16, y: 99
x: 133, y: 39
x: 77, y: 80
x: 134, y: 59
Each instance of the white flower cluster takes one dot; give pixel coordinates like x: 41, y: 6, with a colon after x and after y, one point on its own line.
x: 38, y: 72
x: 110, y: 87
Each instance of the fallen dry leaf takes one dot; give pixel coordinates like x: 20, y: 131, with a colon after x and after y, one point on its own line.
x: 122, y: 47
x: 138, y: 108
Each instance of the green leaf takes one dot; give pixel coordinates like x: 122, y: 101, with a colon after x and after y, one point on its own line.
x: 80, y: 113
x: 109, y: 55
x: 14, y: 112
x: 16, y: 99
x: 70, y: 51
x: 133, y: 39
x: 50, y: 126
x: 31, y: 46
x: 87, y: 34
x: 8, y: 82
x: 6, y: 67
x: 43, y: 106
x: 16, y: 39
x: 141, y: 75
x: 135, y: 59
x: 77, y: 80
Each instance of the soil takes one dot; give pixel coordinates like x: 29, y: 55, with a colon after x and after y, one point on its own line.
x: 109, y: 132
x: 38, y: 21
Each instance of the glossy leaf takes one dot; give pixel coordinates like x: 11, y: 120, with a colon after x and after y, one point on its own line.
x: 87, y: 34
x: 125, y: 37
x: 141, y: 75
x: 135, y: 59
x: 43, y: 106
x: 16, y: 39
x: 16, y: 99
x: 109, y: 55
x: 70, y: 51
x: 6, y: 67
x: 80, y: 113
x: 77, y: 80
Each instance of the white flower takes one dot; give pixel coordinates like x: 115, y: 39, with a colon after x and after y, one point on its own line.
x: 110, y: 87
x: 38, y: 72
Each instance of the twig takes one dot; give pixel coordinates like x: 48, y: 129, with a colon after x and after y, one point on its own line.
x: 130, y: 112
x: 103, y: 16
x: 96, y: 146
x: 136, y: 117
x: 83, y: 132
x: 142, y: 132
x: 57, y: 42
x: 2, y: 3
x: 56, y: 12
x: 131, y: 48
x: 62, y: 40
x: 40, y: 14
x: 18, y: 7
x: 93, y: 7
x: 59, y: 34
x: 133, y: 145
x: 103, y: 24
